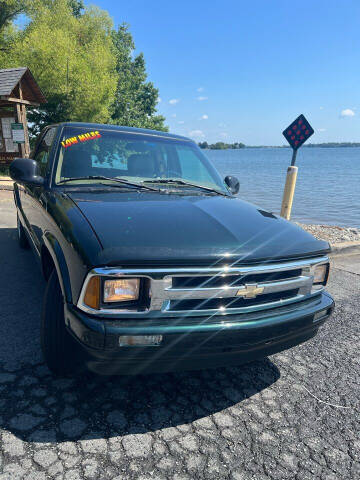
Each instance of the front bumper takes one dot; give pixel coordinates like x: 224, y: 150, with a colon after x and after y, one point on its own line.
x: 192, y: 343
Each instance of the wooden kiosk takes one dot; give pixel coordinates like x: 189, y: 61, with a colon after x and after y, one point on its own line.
x: 18, y: 90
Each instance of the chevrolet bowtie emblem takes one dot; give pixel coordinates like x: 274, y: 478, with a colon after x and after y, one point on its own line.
x: 249, y: 290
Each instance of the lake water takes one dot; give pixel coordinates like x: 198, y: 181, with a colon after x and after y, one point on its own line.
x: 328, y: 183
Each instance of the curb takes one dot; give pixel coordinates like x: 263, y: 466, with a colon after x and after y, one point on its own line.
x: 343, y: 248
x: 6, y: 187
x: 6, y: 183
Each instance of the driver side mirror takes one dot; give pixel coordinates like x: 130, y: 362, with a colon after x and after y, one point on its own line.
x: 25, y: 171
x: 233, y: 184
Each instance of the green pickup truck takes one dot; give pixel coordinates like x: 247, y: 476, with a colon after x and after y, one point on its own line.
x: 152, y: 262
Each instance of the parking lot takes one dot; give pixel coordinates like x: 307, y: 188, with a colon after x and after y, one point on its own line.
x: 292, y: 415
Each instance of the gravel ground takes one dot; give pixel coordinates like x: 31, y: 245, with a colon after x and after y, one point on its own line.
x: 294, y: 415
x: 332, y: 233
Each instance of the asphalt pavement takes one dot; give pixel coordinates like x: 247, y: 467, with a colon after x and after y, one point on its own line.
x: 294, y: 415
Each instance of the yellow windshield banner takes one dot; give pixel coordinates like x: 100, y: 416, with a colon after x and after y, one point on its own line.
x: 83, y: 137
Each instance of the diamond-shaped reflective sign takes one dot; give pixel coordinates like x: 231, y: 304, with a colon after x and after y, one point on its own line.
x: 298, y: 132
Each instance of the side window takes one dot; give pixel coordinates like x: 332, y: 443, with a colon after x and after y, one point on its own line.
x: 43, y: 150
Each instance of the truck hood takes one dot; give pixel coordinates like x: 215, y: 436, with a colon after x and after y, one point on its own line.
x: 151, y: 228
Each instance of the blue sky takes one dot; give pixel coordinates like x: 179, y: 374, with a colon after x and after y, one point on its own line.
x: 242, y: 71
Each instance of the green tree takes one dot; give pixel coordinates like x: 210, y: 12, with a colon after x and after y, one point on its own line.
x: 84, y: 67
x: 222, y: 145
x: 76, y: 6
x: 10, y: 9
x: 135, y: 97
x: 72, y: 59
x: 218, y: 146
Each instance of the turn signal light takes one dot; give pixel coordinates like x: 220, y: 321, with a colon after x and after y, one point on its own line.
x: 92, y: 295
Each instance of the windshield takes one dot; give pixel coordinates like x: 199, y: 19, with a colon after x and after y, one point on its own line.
x: 134, y: 157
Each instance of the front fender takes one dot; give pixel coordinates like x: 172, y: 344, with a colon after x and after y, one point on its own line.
x: 59, y: 260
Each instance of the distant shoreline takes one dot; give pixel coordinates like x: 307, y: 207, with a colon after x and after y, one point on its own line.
x: 310, y: 145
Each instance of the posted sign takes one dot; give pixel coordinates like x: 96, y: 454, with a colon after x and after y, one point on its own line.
x: 298, y: 132
x: 17, y: 130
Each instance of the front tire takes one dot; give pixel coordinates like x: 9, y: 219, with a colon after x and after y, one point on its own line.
x: 22, y: 238
x: 57, y: 345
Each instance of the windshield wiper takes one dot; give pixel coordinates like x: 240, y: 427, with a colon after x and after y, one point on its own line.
x: 113, y: 179
x: 188, y: 184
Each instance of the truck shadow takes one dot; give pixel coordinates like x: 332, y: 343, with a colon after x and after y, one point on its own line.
x: 36, y: 407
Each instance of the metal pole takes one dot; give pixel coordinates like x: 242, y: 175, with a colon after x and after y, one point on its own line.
x: 289, y: 189
x: 293, y: 160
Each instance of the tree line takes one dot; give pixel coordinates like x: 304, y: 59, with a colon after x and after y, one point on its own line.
x: 221, y: 145
x: 332, y: 144
x: 85, y: 67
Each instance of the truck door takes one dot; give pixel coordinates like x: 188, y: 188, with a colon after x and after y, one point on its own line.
x: 32, y: 197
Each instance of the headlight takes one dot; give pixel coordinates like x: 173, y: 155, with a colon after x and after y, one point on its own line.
x: 321, y: 274
x: 121, y: 290
x: 105, y: 291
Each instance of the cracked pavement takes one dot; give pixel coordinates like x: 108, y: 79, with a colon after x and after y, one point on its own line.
x: 271, y: 419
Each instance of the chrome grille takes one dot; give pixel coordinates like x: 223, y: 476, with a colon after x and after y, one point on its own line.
x: 226, y: 303
x: 215, y: 290
x: 221, y: 280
